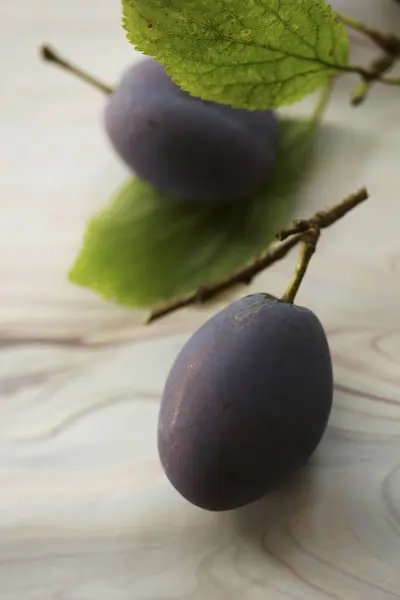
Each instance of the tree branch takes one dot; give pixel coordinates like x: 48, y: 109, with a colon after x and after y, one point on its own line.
x: 289, y: 238
x: 390, y: 80
x: 388, y: 42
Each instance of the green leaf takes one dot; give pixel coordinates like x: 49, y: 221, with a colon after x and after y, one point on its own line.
x: 144, y: 248
x: 253, y: 54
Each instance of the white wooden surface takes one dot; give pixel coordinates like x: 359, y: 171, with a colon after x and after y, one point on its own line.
x: 85, y: 511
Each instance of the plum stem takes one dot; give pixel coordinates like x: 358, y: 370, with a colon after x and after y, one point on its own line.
x: 49, y: 55
x: 307, y: 249
x: 288, y: 238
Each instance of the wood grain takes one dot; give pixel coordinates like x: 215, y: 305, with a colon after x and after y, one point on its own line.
x: 85, y: 510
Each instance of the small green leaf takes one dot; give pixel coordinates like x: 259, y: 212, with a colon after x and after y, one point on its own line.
x: 144, y: 248
x: 253, y: 54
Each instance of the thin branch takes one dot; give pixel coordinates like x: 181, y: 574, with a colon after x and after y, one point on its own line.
x: 289, y: 239
x: 48, y: 54
x: 242, y: 275
x: 390, y: 80
x: 325, y: 218
x: 388, y: 42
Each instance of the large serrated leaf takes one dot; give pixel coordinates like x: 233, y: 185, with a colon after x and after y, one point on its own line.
x: 254, y: 54
x: 144, y: 248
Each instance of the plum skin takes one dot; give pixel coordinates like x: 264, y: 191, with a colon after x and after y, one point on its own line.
x: 185, y: 147
x: 246, y: 402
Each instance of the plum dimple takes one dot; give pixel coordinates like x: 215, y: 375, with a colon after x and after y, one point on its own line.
x: 187, y: 148
x: 245, y: 403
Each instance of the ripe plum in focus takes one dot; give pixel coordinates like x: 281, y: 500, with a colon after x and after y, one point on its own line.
x: 246, y: 402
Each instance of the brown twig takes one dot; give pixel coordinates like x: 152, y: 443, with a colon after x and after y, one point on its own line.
x: 388, y: 42
x: 289, y: 239
x: 390, y: 80
x: 390, y: 46
x: 241, y: 275
x: 324, y: 218
x: 50, y: 55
